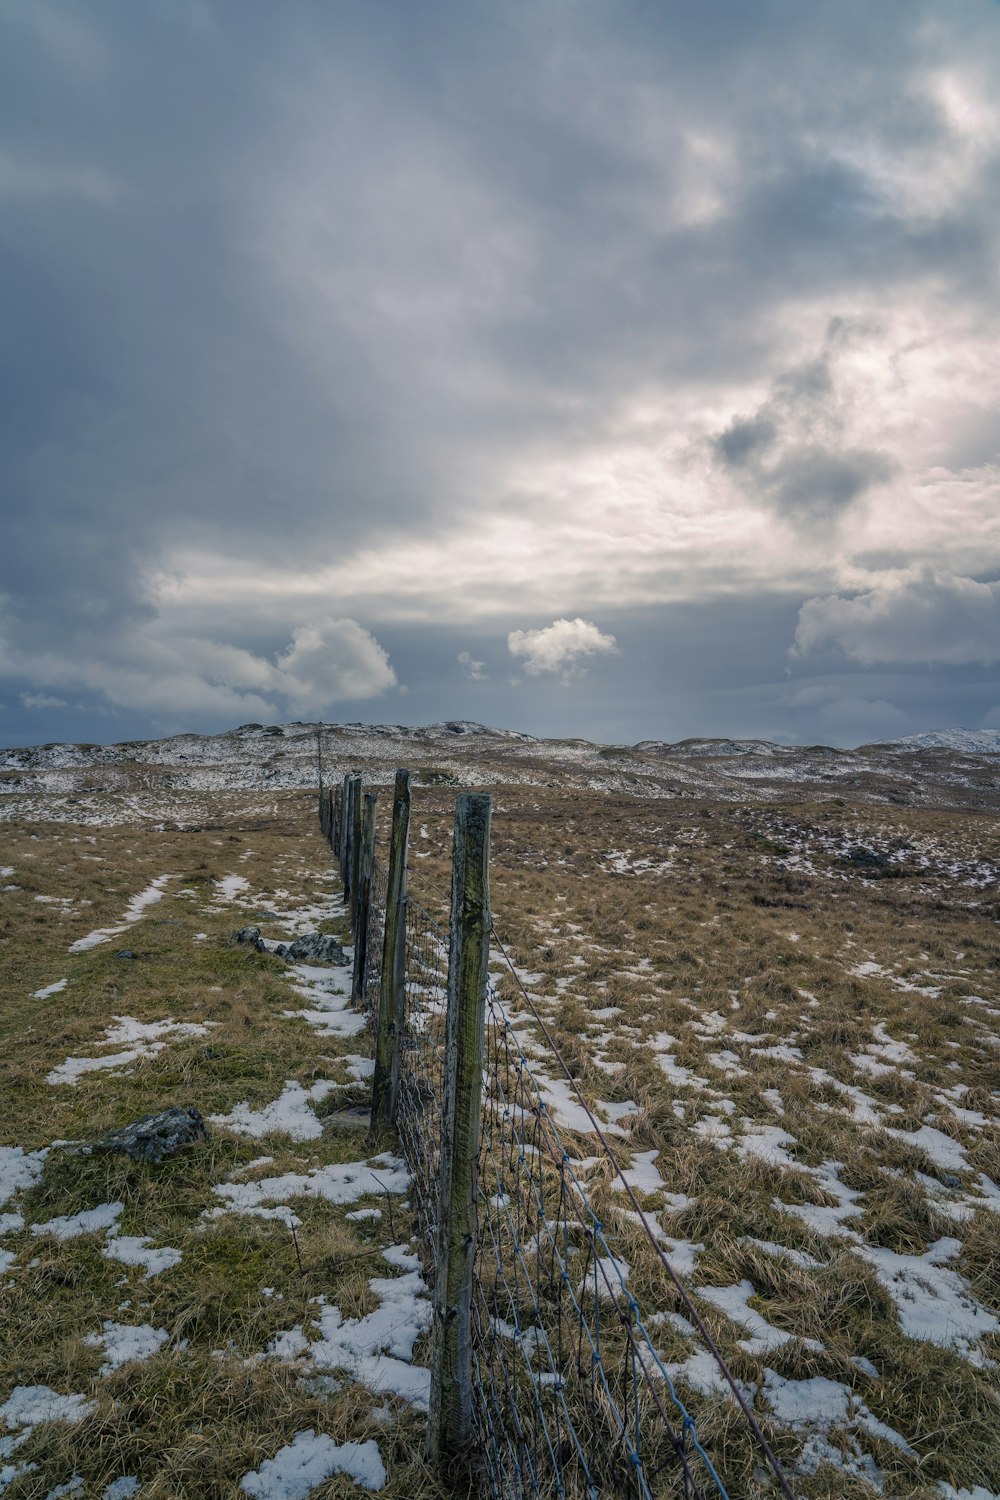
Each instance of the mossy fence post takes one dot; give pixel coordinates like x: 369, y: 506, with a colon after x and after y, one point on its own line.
x: 450, y: 1422
x: 335, y: 818
x: 392, y: 991
x: 345, y: 826
x: 354, y: 859
x: 363, y: 895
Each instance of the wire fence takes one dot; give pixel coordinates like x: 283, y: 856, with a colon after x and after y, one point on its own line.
x: 571, y: 1397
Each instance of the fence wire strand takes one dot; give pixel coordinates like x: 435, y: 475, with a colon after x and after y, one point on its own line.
x: 571, y: 1400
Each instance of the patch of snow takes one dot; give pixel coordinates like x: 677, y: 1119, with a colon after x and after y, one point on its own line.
x: 132, y: 913
x: 377, y: 1349
x: 290, y: 1114
x: 229, y: 887
x: 141, y: 1039
x: 342, y: 1182
x: 70, y: 1226
x: 50, y: 989
x: 816, y: 1406
x: 19, y: 1169
x: 310, y: 1459
x: 122, y: 1489
x: 767, y: 1143
x: 135, y: 1250
x: 734, y: 1302
x: 933, y: 1304
x: 122, y: 1343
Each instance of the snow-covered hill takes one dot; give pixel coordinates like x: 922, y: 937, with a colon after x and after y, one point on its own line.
x: 966, y: 741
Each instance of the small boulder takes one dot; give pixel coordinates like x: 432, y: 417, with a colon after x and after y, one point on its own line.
x: 313, y: 948
x: 154, y: 1137
x: 126, y: 953
x: 252, y: 936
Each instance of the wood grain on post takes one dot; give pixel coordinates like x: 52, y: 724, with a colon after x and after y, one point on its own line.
x: 450, y: 1423
x: 345, y: 816
x: 362, y: 907
x: 392, y: 992
x: 354, y: 863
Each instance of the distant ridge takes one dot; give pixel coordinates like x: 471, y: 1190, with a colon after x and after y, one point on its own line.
x: 969, y: 741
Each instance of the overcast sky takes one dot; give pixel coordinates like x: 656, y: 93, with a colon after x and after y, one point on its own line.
x: 626, y: 370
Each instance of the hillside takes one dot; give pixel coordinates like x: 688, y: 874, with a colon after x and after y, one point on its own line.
x: 773, y: 975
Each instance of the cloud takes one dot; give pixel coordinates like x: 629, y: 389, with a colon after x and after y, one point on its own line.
x: 560, y: 647
x: 332, y: 661
x: 927, y: 617
x: 42, y: 700
x: 793, y: 453
x: 472, y: 668
x: 329, y: 661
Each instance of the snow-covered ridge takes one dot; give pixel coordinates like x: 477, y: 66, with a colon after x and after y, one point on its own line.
x: 966, y: 741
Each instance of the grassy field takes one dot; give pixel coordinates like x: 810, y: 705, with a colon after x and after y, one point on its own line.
x: 795, y: 1005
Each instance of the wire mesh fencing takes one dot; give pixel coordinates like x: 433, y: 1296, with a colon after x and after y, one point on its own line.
x: 570, y: 1396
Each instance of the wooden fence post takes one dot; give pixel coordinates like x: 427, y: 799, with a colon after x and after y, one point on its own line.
x: 334, y: 834
x: 354, y: 862
x: 450, y: 1423
x: 392, y: 993
x: 319, y: 764
x: 363, y: 893
x: 345, y: 824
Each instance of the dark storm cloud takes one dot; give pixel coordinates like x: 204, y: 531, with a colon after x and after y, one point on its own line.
x: 287, y: 284
x: 791, y: 454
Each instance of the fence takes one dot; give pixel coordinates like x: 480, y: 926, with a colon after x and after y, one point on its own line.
x: 545, y: 1378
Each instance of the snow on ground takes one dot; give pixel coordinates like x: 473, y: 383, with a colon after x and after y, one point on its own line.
x: 91, y: 1221
x: 19, y: 1169
x: 933, y: 1303
x: 734, y: 1302
x: 50, y: 989
x: 122, y: 1343
x: 141, y: 1039
x: 290, y: 1114
x: 376, y: 1349
x: 310, y: 1459
x: 329, y: 992
x: 820, y: 1408
x: 26, y: 1408
x: 341, y: 1182
x: 136, y: 1250
x: 135, y: 909
x: 229, y: 888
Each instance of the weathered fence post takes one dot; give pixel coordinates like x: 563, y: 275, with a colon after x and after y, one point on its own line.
x: 354, y: 862
x: 345, y: 824
x: 363, y: 895
x: 334, y: 833
x: 392, y: 993
x: 450, y: 1423
x: 319, y: 766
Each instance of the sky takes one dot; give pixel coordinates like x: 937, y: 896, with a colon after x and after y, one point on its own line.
x: 624, y: 371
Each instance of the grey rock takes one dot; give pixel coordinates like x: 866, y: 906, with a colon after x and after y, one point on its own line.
x: 252, y: 936
x: 314, y: 947
x: 866, y: 859
x: 126, y: 953
x: 154, y: 1137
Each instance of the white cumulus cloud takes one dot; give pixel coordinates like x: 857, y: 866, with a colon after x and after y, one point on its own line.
x: 560, y: 647
x: 330, y: 661
x: 924, y: 617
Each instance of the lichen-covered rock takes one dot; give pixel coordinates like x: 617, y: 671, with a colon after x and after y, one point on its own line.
x: 315, y: 948
x: 154, y: 1137
x: 252, y: 936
